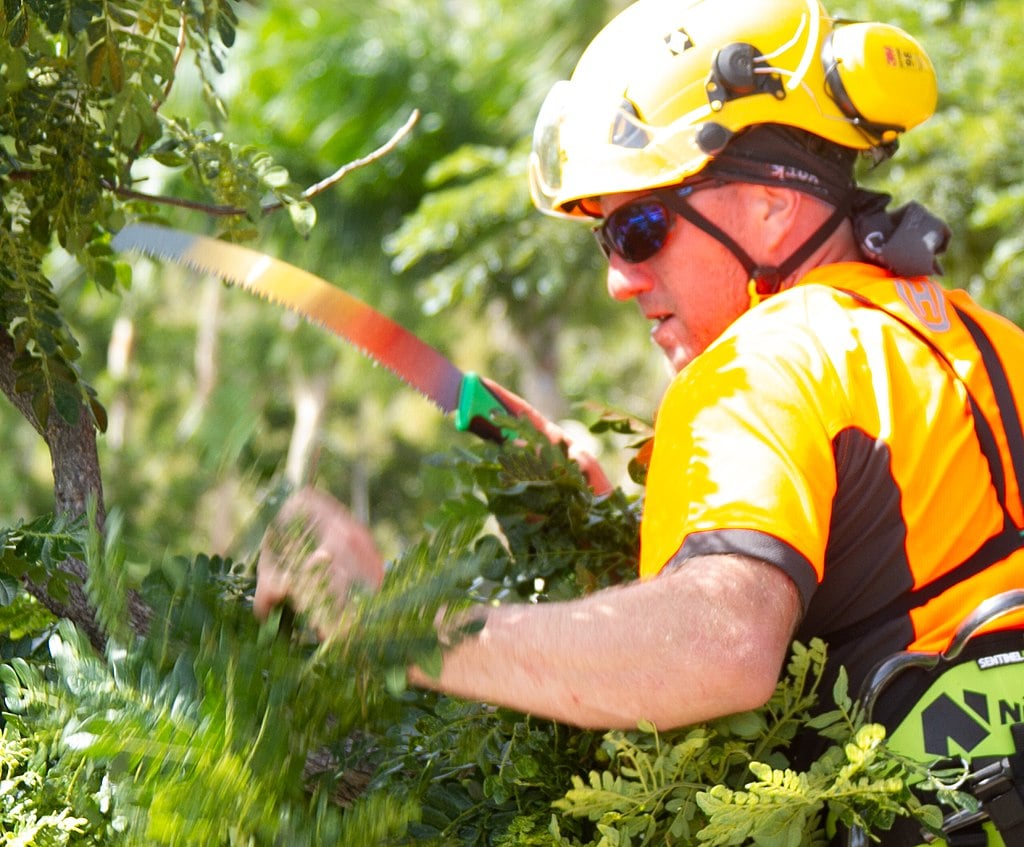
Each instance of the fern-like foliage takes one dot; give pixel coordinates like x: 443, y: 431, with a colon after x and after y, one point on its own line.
x: 200, y: 733
x: 45, y: 350
x: 35, y: 551
x: 30, y: 811
x: 205, y: 731
x: 694, y: 785
x: 556, y: 538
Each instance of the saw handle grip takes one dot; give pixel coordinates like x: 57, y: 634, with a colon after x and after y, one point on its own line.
x: 476, y: 404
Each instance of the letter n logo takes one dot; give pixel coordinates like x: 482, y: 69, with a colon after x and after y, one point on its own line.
x: 944, y: 720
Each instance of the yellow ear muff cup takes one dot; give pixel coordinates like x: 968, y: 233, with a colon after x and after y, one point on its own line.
x: 879, y: 76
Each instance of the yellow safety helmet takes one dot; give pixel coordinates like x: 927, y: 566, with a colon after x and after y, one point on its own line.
x: 665, y: 86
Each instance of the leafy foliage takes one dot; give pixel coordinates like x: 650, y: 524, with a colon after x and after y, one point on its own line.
x: 31, y: 810
x: 35, y: 551
x: 200, y: 734
x: 556, y: 538
x: 206, y: 730
x: 45, y: 350
x: 693, y: 785
x: 80, y: 103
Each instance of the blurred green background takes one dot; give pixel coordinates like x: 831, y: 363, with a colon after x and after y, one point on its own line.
x: 215, y: 399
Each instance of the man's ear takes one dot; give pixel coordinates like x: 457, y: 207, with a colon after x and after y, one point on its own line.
x: 779, y: 213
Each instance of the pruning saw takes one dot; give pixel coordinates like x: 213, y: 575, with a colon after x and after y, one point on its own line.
x: 423, y: 367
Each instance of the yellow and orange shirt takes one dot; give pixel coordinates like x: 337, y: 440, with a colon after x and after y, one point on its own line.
x: 829, y: 432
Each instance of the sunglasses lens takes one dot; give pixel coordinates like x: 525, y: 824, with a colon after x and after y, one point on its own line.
x: 635, y: 231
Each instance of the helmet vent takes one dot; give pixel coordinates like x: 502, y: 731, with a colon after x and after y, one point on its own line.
x: 627, y: 131
x: 678, y: 41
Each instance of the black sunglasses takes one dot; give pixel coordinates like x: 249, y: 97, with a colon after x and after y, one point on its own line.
x: 636, y: 231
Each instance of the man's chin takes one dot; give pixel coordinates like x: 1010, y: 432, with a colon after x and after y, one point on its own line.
x: 676, y: 359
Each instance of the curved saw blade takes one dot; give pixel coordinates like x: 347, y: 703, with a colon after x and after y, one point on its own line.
x: 425, y: 368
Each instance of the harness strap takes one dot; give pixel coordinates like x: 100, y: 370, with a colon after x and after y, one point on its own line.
x: 999, y: 786
x: 1004, y: 397
x: 1010, y: 538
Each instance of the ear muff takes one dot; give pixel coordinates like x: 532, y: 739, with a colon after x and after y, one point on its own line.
x: 880, y: 78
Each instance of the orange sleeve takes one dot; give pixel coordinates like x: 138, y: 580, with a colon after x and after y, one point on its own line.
x: 743, y: 441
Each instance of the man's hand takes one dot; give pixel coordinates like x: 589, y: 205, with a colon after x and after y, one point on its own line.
x: 592, y: 470
x: 311, y: 554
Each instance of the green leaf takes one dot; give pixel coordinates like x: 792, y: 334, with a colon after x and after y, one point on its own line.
x: 68, y: 402
x: 9, y: 589
x: 395, y: 680
x: 840, y: 691
x: 41, y: 408
x: 303, y: 217
x: 750, y: 725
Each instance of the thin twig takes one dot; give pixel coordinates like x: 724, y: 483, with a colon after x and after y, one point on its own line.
x: 196, y: 205
x: 178, y: 53
x: 318, y: 188
x: 379, y: 153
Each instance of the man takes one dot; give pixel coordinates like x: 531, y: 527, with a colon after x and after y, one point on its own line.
x: 840, y: 453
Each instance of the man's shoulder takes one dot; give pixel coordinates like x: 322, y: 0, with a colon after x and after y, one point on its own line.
x: 810, y: 331
x: 827, y: 304
x: 831, y: 285
x: 814, y: 310
x: 791, y: 339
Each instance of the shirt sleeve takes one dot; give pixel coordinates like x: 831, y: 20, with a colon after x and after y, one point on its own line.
x: 743, y: 460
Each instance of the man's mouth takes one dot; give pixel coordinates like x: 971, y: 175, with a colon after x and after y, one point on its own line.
x: 657, y: 320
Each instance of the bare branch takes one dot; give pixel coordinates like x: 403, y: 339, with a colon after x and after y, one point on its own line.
x: 211, y: 209
x: 216, y: 210
x: 178, y: 53
x: 379, y: 153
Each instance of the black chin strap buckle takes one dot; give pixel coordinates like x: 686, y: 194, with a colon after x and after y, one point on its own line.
x: 763, y: 283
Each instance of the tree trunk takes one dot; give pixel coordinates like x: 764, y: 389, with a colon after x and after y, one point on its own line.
x: 309, y: 398
x: 206, y: 356
x: 119, y: 365
x: 76, y: 478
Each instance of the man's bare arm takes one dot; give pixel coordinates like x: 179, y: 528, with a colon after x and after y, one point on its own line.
x: 701, y: 641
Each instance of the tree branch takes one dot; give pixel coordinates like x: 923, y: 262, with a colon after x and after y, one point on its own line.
x: 76, y: 477
x: 222, y: 211
x: 345, y: 170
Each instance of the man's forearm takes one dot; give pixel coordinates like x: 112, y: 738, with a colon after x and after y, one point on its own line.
x: 697, y: 643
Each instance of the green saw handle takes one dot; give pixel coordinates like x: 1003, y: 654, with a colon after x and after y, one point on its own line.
x: 476, y: 404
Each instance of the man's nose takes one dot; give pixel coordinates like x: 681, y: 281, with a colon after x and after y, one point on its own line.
x: 626, y: 281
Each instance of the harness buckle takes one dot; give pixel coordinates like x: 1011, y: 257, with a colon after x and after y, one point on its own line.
x: 995, y: 788
x: 1001, y: 803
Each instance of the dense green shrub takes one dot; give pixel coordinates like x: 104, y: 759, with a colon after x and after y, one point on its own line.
x: 215, y: 729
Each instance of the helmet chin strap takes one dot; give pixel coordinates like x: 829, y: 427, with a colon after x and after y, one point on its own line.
x: 762, y: 281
